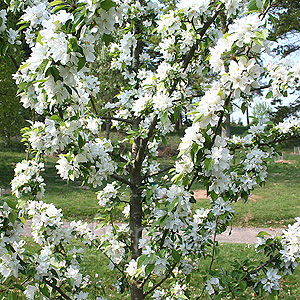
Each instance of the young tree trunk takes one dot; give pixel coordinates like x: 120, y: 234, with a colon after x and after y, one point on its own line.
x: 136, y: 214
x: 226, y: 132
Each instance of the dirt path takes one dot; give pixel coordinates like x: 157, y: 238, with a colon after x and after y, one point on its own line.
x: 233, y: 235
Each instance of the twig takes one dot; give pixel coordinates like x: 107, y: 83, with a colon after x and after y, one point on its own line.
x: 158, y: 172
x: 117, y: 119
x: 58, y: 289
x: 212, y: 257
x: 263, y: 14
x: 121, y: 179
x: 94, y: 106
x: 14, y: 62
x: 161, y: 282
x: 220, y: 119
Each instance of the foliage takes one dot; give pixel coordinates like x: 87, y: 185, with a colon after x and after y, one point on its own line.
x: 261, y: 112
x: 286, y: 111
x: 285, y: 24
x: 12, y: 114
x: 163, y: 240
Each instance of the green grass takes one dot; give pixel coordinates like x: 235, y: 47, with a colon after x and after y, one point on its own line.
x: 75, y: 200
x: 275, y: 204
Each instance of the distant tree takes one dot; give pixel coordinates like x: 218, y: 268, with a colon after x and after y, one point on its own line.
x: 285, y: 111
x: 12, y: 114
x: 286, y: 25
x: 261, y: 112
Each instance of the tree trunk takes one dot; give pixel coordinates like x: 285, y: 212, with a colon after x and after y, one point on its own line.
x: 136, y: 214
x: 247, y: 117
x: 226, y: 132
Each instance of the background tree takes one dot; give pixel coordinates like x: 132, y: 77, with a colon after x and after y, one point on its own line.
x: 12, y: 114
x: 285, y: 20
x: 261, y: 112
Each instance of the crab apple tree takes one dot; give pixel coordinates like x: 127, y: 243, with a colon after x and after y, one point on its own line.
x: 195, y: 62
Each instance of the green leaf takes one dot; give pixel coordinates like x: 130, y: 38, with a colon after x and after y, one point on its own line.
x: 56, y: 118
x: 107, y: 39
x: 262, y: 34
x: 56, y: 2
x: 54, y: 72
x: 107, y: 4
x: 81, y: 63
x: 73, y: 43
x: 12, y: 204
x: 214, y: 196
x: 164, y: 140
x: 208, y: 163
x: 252, y: 5
x: 149, y: 269
x: 164, y: 117
x: 243, y: 285
x: 244, y: 107
x: 39, y: 39
x: 59, y: 8
x: 173, y: 204
x: 12, y: 217
x: 263, y: 233
x: 269, y: 95
x: 176, y: 255
x: 44, y: 289
x: 80, y: 141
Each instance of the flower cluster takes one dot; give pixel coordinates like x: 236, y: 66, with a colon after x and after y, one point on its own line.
x: 28, y: 180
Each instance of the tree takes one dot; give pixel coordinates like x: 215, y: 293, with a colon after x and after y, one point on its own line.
x: 261, y: 112
x: 285, y: 24
x: 284, y: 112
x: 164, y: 238
x: 12, y: 114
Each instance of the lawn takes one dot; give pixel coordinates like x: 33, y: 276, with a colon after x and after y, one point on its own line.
x: 276, y: 204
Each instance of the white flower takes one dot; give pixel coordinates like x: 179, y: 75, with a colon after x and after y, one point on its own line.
x: 30, y: 291
x: 3, y: 14
x: 131, y: 269
x: 212, y: 285
x: 271, y: 282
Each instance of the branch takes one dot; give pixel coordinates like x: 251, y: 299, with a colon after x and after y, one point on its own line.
x: 261, y: 266
x: 117, y: 119
x: 162, y: 241
x: 276, y: 140
x: 261, y: 87
x: 191, y: 53
x: 143, y: 144
x: 157, y: 173
x: 161, y: 282
x: 211, y: 20
x: 121, y: 179
x: 221, y: 119
x: 58, y: 289
x: 14, y: 62
x: 263, y: 14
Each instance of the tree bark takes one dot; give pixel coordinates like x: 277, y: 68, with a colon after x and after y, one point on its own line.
x: 226, y: 132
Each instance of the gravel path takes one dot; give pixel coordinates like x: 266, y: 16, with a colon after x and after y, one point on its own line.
x: 233, y: 235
